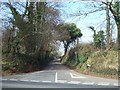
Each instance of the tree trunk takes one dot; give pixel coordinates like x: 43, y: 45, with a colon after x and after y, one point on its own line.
x: 115, y: 13
x: 78, y: 50
x: 108, y: 27
x: 66, y: 48
x: 118, y: 27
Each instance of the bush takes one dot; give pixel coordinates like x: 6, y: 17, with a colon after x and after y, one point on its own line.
x: 105, y: 62
x: 24, y: 63
x: 14, y: 66
x: 77, y: 57
x: 87, y: 58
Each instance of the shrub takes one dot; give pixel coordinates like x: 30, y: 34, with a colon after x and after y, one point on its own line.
x: 105, y: 62
x: 77, y: 57
x: 24, y: 63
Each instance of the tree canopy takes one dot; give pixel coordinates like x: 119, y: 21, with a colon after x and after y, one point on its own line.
x: 71, y: 33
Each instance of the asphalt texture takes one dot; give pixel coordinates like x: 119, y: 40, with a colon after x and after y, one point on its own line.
x: 56, y: 75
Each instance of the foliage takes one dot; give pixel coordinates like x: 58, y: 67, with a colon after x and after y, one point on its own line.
x: 76, y: 58
x: 114, y: 8
x: 72, y: 33
x: 28, y: 41
x: 101, y: 61
x: 98, y: 38
x: 91, y: 60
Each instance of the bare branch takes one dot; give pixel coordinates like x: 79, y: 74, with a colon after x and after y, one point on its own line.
x: 90, y: 12
x: 26, y: 8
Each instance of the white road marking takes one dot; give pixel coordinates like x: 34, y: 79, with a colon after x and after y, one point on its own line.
x: 13, y: 79
x: 103, y: 83
x: 88, y: 83
x: 74, y: 82
x: 61, y: 81
x: 34, y: 81
x: 4, y: 79
x: 75, y: 76
x: 56, y: 77
x: 47, y: 81
x: 115, y: 84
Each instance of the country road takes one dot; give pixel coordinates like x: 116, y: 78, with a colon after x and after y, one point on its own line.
x: 57, y: 75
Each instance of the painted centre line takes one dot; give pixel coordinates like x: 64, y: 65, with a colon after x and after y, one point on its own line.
x: 103, y: 83
x: 72, y: 76
x: 115, y: 84
x: 4, y: 79
x: 74, y: 82
x: 13, y: 79
x: 47, y: 81
x: 34, y: 81
x: 61, y: 81
x: 88, y: 83
x: 56, y: 77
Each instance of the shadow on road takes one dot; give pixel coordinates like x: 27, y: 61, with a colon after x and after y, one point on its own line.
x: 56, y: 65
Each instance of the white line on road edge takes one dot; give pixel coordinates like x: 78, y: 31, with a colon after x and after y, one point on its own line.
x: 115, y: 84
x: 4, y: 79
x: 88, y: 83
x: 74, y: 82
x: 34, y: 81
x: 13, y: 79
x: 103, y: 83
x: 56, y: 77
x: 47, y: 81
x: 61, y: 81
x: 76, y: 77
